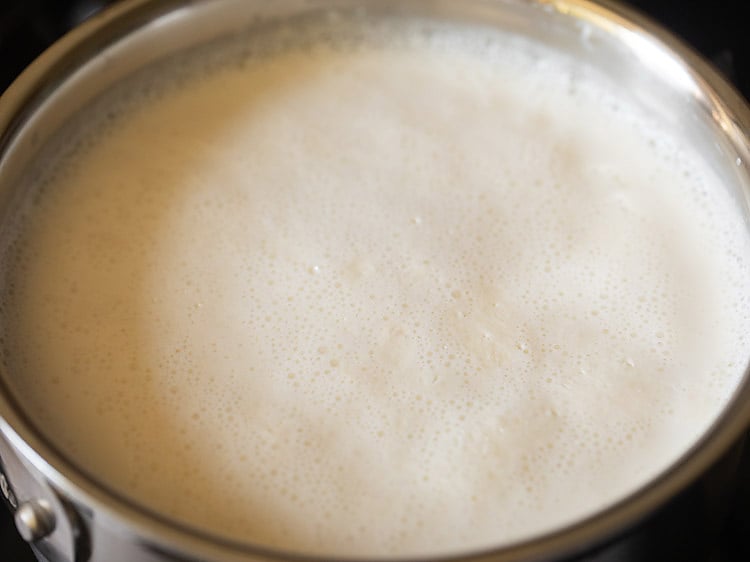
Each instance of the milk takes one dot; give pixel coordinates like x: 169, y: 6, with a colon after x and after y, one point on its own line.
x: 419, y: 293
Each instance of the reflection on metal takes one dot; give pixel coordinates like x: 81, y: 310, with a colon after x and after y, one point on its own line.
x: 35, y: 520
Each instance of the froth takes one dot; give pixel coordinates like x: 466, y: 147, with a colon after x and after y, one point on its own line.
x: 380, y: 300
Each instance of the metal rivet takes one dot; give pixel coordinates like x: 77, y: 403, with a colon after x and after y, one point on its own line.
x: 34, y: 520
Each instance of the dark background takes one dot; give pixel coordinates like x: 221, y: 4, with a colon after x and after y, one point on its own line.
x: 717, y: 29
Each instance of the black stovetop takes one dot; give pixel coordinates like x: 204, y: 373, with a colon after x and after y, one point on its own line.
x: 715, y: 28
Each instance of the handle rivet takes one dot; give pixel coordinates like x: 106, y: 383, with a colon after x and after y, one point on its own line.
x: 34, y: 520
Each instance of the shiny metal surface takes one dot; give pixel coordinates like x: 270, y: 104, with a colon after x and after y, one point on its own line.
x: 25, y: 484
x: 35, y: 520
x: 96, y: 523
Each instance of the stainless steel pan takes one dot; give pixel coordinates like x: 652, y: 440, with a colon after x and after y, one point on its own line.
x: 70, y: 515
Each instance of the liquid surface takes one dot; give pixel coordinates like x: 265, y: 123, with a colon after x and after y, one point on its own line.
x: 374, y: 299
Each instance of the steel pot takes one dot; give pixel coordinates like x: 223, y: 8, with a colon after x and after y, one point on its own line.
x: 69, y: 515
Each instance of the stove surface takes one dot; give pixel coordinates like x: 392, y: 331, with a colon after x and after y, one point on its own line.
x: 715, y: 29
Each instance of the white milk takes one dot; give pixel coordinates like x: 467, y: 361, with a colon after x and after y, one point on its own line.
x: 423, y: 297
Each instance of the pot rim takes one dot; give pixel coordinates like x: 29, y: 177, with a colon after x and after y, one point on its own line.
x: 169, y: 537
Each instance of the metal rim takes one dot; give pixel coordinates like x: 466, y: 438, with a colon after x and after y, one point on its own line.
x: 166, y: 536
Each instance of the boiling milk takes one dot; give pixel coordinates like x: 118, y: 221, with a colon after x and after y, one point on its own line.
x: 422, y: 292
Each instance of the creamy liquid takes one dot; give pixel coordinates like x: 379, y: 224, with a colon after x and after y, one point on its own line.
x: 414, y: 296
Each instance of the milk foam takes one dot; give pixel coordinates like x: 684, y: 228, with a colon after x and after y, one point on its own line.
x: 380, y: 299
